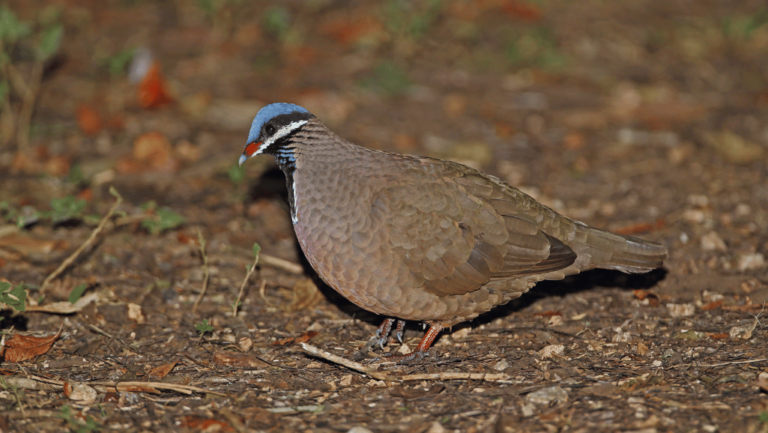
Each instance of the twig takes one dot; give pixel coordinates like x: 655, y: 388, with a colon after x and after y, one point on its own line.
x: 751, y: 361
x: 68, y: 261
x: 489, y: 377
x: 281, y: 264
x: 242, y: 286
x: 121, y: 386
x: 315, y: 351
x: 206, y: 271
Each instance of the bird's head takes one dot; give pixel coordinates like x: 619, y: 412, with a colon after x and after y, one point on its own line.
x: 272, y: 126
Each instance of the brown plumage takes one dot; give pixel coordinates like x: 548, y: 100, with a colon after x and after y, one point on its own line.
x: 424, y: 239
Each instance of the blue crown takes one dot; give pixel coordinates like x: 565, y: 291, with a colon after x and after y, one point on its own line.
x: 270, y: 112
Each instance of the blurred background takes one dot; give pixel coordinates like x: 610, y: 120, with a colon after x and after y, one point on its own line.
x: 629, y: 115
x: 645, y: 117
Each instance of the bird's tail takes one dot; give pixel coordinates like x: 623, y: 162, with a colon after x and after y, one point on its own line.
x: 623, y: 253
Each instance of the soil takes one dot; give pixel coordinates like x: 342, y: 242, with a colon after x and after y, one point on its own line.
x: 646, y: 118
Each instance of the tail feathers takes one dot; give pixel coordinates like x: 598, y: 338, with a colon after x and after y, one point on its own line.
x: 601, y: 249
x: 639, y: 256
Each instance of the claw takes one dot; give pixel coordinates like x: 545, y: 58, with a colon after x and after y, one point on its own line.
x: 400, y: 330
x: 421, y: 350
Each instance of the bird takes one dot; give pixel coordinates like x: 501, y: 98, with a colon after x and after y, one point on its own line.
x: 423, y: 239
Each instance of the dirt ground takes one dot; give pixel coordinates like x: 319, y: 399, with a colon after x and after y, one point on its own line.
x: 644, y: 117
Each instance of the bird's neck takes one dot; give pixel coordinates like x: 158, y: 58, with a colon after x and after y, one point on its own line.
x: 286, y: 160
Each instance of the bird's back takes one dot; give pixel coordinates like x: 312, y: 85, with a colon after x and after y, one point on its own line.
x: 426, y: 239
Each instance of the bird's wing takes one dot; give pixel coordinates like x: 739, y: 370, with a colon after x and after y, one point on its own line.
x: 454, y: 241
x: 586, y: 247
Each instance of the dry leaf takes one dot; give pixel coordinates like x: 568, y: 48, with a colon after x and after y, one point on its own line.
x: 25, y: 347
x: 197, y: 423
x: 681, y: 310
x: 306, y: 337
x: 717, y: 335
x: 153, y: 90
x: 88, y: 120
x: 712, y: 305
x: 762, y: 381
x: 548, y: 314
x: 80, y: 392
x: 653, y: 299
x: 551, y: 351
x: 162, y: 370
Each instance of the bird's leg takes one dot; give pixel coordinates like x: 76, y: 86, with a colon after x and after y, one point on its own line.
x: 421, y: 349
x: 382, y: 334
x: 400, y: 330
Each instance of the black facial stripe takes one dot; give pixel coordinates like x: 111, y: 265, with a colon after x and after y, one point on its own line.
x: 278, y: 146
x: 286, y: 119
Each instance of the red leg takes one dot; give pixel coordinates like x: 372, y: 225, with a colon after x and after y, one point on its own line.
x: 421, y: 349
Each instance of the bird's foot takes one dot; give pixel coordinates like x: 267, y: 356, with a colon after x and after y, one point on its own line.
x: 382, y: 336
x: 421, y: 350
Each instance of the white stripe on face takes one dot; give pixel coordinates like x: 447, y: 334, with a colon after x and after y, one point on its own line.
x: 282, y: 132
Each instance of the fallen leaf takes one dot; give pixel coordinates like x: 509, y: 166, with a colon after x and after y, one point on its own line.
x: 161, y: 371
x: 718, y: 335
x: 712, y: 305
x: 89, y: 120
x: 80, y: 392
x: 153, y: 90
x: 306, y: 337
x: 762, y: 381
x: 743, y: 332
x: 197, y: 423
x: 298, y: 340
x: 549, y: 313
x: 681, y: 310
x: 653, y: 298
x: 154, y: 150
x: 733, y: 147
x: 21, y: 348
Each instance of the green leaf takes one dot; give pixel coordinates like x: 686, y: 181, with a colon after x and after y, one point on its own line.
x: 67, y: 208
x: 203, y: 327
x: 149, y: 206
x: 164, y: 219
x: 77, y: 293
x: 277, y: 20
x: 76, y: 174
x: 119, y: 62
x: 11, y: 29
x: 256, y: 250
x: 50, y: 41
x: 764, y: 417
x: 236, y: 174
x: 15, y: 298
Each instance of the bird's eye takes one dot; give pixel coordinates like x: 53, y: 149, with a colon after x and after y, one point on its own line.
x: 270, y: 129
